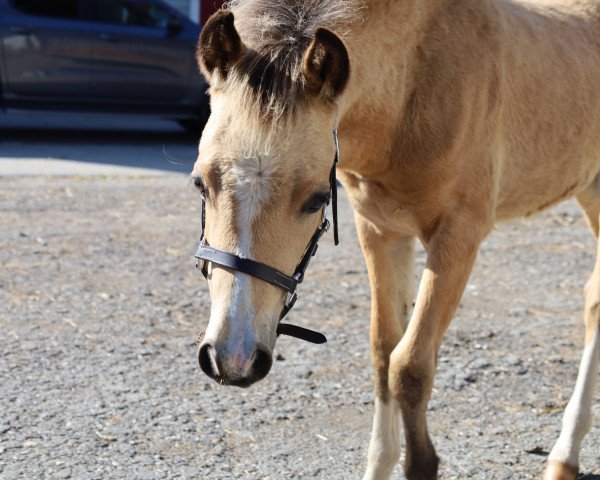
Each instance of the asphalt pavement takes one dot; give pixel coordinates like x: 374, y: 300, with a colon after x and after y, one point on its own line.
x: 93, y: 144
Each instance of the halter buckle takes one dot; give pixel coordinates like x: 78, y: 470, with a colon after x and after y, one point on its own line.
x: 289, y: 304
x: 201, y: 263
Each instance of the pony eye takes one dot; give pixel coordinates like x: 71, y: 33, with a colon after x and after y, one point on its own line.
x: 317, y: 202
x: 199, y: 184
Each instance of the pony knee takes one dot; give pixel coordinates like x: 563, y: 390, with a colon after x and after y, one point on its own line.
x: 410, y: 382
x: 592, y: 314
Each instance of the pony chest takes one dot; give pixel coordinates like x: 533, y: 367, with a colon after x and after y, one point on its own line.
x: 380, y: 204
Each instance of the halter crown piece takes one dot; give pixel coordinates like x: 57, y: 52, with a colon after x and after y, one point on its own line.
x: 206, y: 254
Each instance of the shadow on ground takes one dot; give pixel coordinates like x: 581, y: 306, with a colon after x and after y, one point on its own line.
x: 108, y: 140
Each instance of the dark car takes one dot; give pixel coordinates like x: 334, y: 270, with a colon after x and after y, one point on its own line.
x: 131, y: 56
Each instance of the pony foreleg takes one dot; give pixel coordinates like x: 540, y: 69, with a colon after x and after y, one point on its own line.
x: 451, y: 254
x: 390, y: 263
x: 563, y: 461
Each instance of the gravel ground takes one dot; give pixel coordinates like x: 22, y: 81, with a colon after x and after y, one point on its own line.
x: 100, y: 303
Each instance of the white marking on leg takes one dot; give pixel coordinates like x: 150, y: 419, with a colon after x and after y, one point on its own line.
x: 577, y: 418
x: 384, y: 448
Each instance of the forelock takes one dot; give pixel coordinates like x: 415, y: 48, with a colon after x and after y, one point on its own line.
x: 276, y: 34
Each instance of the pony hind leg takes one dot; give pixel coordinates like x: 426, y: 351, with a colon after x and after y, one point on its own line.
x: 390, y: 263
x: 589, y: 199
x: 563, y: 461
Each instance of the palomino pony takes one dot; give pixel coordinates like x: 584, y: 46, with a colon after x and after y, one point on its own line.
x: 452, y: 115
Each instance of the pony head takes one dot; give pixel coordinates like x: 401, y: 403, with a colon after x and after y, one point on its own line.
x: 263, y: 169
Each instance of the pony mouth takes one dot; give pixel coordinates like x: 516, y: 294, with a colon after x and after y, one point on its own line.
x: 235, y: 382
x: 222, y: 373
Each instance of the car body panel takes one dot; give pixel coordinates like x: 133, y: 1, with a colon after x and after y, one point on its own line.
x: 90, y: 62
x: 141, y: 60
x: 44, y: 58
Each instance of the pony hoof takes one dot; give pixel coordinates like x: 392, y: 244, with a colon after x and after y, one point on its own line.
x: 560, y: 471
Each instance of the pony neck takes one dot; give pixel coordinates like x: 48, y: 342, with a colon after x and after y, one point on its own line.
x: 384, y: 41
x: 383, y: 47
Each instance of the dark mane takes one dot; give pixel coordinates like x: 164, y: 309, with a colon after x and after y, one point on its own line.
x: 276, y: 34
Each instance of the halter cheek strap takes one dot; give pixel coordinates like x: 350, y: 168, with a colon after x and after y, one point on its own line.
x: 333, y: 186
x: 206, y: 253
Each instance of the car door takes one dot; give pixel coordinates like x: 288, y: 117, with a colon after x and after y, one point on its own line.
x: 144, y: 52
x: 46, y: 48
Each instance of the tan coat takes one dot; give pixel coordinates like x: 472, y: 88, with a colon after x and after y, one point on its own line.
x: 452, y: 115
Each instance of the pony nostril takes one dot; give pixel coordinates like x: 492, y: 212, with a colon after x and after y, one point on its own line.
x: 261, y: 364
x: 207, y: 357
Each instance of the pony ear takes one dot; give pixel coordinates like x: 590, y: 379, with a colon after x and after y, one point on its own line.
x: 219, y: 46
x: 326, y: 66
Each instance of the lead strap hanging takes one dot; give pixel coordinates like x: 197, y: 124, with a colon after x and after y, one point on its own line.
x: 333, y: 182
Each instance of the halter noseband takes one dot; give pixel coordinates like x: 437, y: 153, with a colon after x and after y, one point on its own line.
x: 206, y: 253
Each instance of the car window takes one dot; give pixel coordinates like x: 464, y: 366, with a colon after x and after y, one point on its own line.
x: 48, y: 8
x: 131, y: 12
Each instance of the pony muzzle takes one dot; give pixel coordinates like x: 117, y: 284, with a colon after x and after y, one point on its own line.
x: 234, y: 368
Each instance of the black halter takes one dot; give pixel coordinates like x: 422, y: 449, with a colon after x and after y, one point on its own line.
x: 206, y: 253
